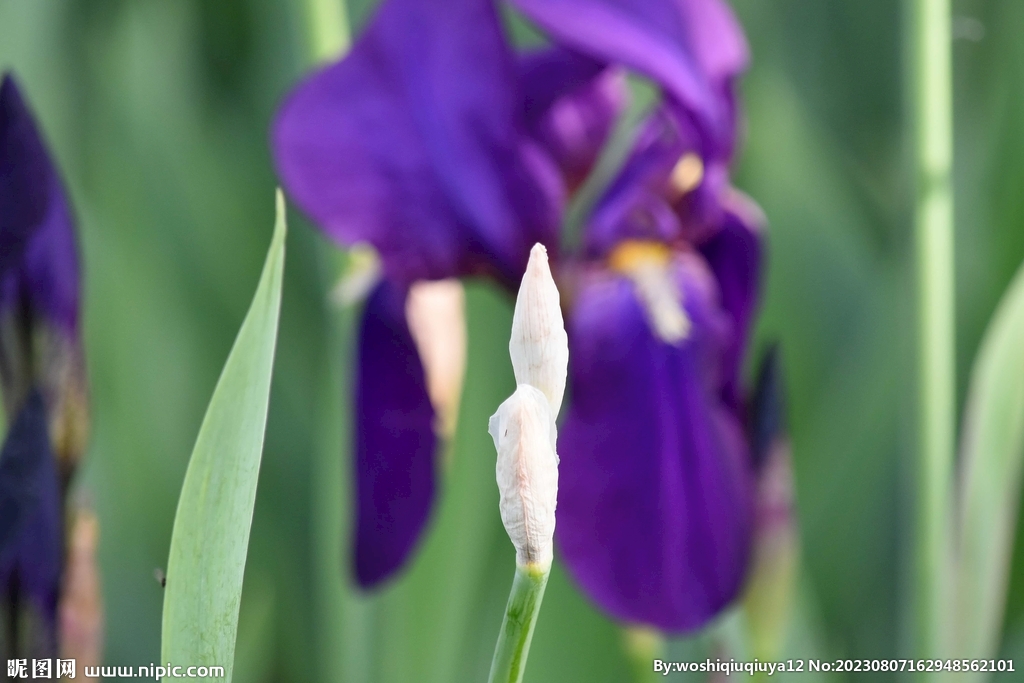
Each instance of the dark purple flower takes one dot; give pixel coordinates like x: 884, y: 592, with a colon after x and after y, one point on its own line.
x: 41, y: 370
x: 655, y: 506
x: 427, y: 144
x: 39, y: 283
x: 434, y: 144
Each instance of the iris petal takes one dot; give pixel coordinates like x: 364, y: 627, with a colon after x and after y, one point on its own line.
x: 637, y: 204
x: 655, y: 482
x: 571, y: 103
x: 414, y: 143
x: 687, y: 46
x: 646, y: 201
x: 49, y: 274
x: 25, y: 173
x: 396, y: 445
x: 734, y: 254
x: 38, y: 250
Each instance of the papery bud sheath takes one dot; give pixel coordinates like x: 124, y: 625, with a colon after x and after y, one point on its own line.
x: 539, y: 346
x: 523, y: 430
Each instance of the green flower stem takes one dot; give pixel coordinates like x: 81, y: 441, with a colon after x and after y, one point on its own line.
x: 642, y: 647
x: 339, y: 617
x: 932, y: 83
x: 517, y: 628
x: 327, y: 29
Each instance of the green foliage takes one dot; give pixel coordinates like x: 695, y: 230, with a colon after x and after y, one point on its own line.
x: 992, y: 457
x: 211, y: 528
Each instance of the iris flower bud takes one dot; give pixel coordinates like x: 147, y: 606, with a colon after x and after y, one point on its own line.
x: 523, y: 430
x: 539, y: 346
x: 524, y: 435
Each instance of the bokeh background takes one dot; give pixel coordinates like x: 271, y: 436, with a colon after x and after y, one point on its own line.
x: 158, y: 112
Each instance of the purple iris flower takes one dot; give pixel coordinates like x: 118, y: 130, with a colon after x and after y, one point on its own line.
x: 434, y: 141
x: 655, y: 506
x: 41, y: 374
x: 427, y: 141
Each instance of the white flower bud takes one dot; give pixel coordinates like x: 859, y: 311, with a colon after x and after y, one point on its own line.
x: 523, y: 430
x: 539, y: 346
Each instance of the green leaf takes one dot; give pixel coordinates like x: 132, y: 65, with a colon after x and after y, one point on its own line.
x: 992, y: 454
x: 211, y: 527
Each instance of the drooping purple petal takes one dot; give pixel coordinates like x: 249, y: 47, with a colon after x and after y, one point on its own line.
x: 693, y: 48
x: 414, y: 143
x: 655, y: 490
x: 38, y: 250
x: 734, y: 254
x: 570, y: 103
x: 396, y: 445
x: 31, y: 538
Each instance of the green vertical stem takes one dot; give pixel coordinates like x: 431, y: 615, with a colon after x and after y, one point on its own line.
x: 521, y: 612
x: 340, y: 617
x: 343, y: 619
x: 642, y: 646
x: 327, y: 29
x: 932, y: 83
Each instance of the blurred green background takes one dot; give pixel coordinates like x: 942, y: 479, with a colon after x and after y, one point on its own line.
x: 158, y: 111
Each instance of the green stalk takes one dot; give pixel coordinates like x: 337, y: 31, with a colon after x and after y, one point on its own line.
x: 932, y: 82
x: 521, y: 612
x: 642, y: 647
x: 339, y: 616
x: 327, y: 29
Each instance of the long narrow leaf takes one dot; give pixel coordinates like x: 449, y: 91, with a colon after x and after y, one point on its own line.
x: 211, y: 527
x: 992, y: 454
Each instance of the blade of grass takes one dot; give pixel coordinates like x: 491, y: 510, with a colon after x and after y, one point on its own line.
x: 992, y: 455
x: 211, y: 527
